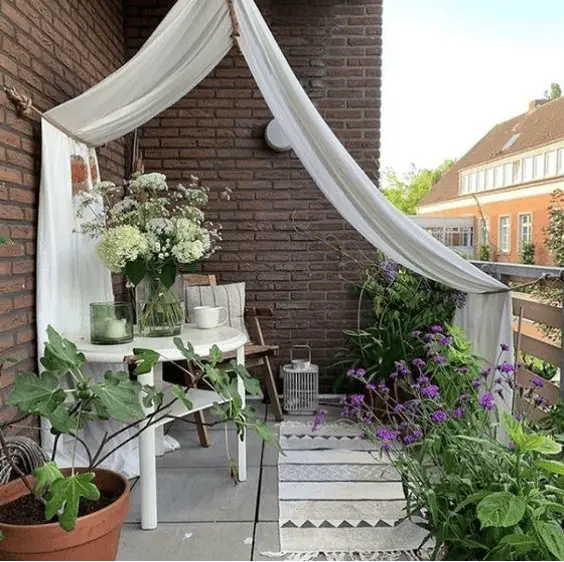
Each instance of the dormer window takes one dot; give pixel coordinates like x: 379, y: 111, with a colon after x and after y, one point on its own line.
x: 511, y: 141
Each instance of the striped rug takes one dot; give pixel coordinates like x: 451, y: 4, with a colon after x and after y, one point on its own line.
x: 339, y: 500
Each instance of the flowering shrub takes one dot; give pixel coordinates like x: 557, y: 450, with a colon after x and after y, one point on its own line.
x: 438, y: 420
x: 401, y: 303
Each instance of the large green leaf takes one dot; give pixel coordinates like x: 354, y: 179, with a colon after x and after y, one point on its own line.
x: 501, y: 509
x: 539, y: 444
x: 252, y: 385
x: 120, y: 397
x: 45, y: 475
x: 551, y: 466
x: 186, y: 350
x: 37, y: 394
x: 552, y: 537
x: 135, y: 271
x: 168, y: 274
x: 181, y: 393
x: 61, y: 355
x: 66, y: 493
x: 147, y: 360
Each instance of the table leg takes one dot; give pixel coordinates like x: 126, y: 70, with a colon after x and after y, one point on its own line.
x: 242, y: 443
x: 148, y: 467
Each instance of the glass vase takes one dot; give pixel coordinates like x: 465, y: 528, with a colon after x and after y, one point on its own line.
x: 111, y: 323
x: 160, y: 310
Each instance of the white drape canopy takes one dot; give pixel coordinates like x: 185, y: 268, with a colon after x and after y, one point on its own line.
x: 188, y: 44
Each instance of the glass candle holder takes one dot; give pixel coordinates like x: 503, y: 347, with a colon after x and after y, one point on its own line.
x: 111, y: 322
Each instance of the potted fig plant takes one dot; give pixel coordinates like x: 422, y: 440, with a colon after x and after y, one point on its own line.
x: 486, y: 494
x: 77, y: 513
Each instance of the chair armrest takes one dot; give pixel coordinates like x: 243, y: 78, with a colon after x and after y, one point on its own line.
x: 250, y: 312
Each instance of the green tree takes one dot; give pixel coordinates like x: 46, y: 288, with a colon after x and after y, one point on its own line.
x: 554, y: 92
x: 406, y: 193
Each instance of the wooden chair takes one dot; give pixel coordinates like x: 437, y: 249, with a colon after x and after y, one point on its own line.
x: 257, y: 353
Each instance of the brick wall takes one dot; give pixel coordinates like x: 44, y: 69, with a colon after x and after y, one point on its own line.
x: 51, y: 50
x: 216, y: 132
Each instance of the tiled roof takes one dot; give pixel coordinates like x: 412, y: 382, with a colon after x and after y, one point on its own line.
x: 543, y: 125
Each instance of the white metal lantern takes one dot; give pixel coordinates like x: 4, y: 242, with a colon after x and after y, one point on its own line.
x: 301, y: 383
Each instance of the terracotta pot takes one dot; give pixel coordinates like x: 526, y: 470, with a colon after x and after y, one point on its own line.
x: 95, y: 537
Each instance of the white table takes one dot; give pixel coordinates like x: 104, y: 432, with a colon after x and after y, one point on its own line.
x: 151, y: 440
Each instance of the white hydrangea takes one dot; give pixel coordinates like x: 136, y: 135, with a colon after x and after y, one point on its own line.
x: 193, y: 241
x: 149, y: 182
x: 160, y: 226
x: 121, y: 245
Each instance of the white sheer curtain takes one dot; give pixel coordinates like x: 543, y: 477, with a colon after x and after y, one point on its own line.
x: 187, y: 45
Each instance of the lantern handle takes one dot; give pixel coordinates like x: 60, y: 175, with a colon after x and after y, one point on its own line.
x: 301, y: 347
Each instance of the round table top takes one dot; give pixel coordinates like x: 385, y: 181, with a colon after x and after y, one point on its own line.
x: 225, y: 337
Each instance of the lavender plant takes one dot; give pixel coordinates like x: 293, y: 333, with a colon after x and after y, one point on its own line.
x: 438, y: 424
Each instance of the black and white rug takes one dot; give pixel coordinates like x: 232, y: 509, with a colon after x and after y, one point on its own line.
x: 339, y: 500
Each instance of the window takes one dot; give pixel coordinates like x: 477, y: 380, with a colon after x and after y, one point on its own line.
x: 525, y: 229
x: 498, y: 177
x: 481, y: 181
x: 527, y: 168
x: 516, y: 172
x: 505, y: 233
x: 560, y: 162
x: 489, y: 178
x: 472, y: 182
x: 465, y: 184
x: 551, y: 161
x: 538, y: 166
x: 508, y: 174
x: 510, y: 142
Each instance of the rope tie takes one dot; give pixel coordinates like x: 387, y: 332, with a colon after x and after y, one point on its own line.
x: 234, y: 21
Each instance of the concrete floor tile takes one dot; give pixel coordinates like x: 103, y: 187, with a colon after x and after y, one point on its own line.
x: 195, y: 494
x: 267, y: 540
x: 268, y: 498
x: 188, y: 541
x: 192, y: 455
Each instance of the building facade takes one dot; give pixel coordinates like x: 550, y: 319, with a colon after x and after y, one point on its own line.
x: 505, y: 183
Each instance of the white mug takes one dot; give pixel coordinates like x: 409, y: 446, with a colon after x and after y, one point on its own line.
x: 207, y: 317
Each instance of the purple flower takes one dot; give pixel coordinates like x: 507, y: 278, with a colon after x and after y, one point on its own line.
x: 476, y: 383
x: 463, y: 397
x: 370, y: 387
x: 438, y: 416
x: 394, y: 375
x: 439, y: 359
x: 504, y: 347
x: 505, y: 367
x: 401, y: 368
x: 432, y: 391
x: 389, y: 270
x: 519, y: 417
x: 499, y: 380
x: 458, y: 413
x: 486, y: 400
x: 398, y: 408
x: 540, y: 401
x: 360, y: 372
x: 445, y: 340
x: 383, y: 389
x: 356, y: 398
x: 415, y: 435
x: 416, y: 333
x: 351, y: 373
x: 537, y: 382
x: 418, y: 362
x: 511, y: 446
x: 423, y: 380
x: 485, y: 373
x: 318, y: 420
x: 436, y: 329
x: 386, y: 434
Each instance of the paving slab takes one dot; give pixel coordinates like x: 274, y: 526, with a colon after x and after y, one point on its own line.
x: 267, y: 540
x: 196, y: 494
x: 268, y: 498
x: 188, y: 541
x: 192, y: 455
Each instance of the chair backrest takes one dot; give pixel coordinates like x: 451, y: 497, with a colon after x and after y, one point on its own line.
x: 195, y: 279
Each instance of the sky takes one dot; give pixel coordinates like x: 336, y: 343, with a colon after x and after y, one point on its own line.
x: 452, y: 69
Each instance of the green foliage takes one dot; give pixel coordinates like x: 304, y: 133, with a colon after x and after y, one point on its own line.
x: 71, y: 406
x: 554, y: 232
x: 554, y: 93
x: 527, y: 253
x: 539, y: 367
x: 501, y: 509
x: 406, y: 194
x: 400, y: 302
x: 484, y: 253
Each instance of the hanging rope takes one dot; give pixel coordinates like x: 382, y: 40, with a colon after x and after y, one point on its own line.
x: 234, y: 22
x: 25, y: 107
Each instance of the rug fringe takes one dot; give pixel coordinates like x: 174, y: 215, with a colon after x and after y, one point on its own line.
x: 379, y: 555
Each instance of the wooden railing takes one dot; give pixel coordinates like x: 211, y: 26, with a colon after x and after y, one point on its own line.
x: 528, y: 339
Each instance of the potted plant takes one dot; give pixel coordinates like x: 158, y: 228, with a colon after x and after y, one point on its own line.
x: 147, y: 229
x: 485, y: 497
x: 77, y: 513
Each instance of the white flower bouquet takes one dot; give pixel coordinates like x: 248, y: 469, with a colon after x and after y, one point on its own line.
x: 146, y: 230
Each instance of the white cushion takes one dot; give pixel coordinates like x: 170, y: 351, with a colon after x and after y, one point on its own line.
x: 230, y: 296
